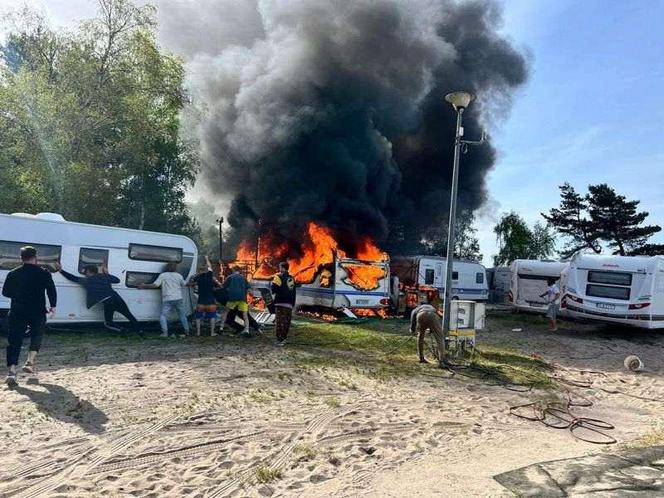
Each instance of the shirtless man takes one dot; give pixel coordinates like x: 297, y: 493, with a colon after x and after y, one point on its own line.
x: 423, y: 318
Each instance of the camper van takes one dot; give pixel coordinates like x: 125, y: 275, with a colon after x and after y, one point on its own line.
x: 469, y: 280
x: 615, y: 289
x: 346, y: 283
x: 529, y: 281
x: 134, y: 256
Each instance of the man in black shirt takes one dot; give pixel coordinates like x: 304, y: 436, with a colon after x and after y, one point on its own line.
x: 283, y: 291
x: 25, y: 286
x: 98, y: 290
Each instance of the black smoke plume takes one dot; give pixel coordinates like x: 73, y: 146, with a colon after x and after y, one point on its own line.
x: 333, y: 110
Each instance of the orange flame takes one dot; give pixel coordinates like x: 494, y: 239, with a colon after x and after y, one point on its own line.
x: 317, y: 251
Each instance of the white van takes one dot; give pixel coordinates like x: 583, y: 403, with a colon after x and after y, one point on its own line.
x: 615, y: 289
x: 134, y: 256
x: 529, y: 281
x: 469, y: 280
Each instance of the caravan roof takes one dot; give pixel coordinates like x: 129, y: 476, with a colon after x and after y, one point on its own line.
x: 634, y: 264
x: 538, y: 267
x: 53, y: 228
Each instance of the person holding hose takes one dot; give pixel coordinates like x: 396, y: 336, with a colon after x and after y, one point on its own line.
x: 423, y: 318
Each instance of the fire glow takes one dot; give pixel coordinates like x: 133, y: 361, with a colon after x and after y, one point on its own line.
x: 317, y: 250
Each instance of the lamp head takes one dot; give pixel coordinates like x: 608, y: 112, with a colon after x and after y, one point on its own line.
x: 459, y: 100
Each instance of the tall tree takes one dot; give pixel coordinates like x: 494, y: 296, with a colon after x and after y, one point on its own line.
x: 89, y: 122
x: 516, y: 240
x: 602, y: 215
x: 571, y: 221
x: 618, y: 221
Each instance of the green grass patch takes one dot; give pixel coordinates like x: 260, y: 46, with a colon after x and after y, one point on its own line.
x: 305, y: 451
x: 383, y: 350
x: 265, y: 474
x: 511, y: 366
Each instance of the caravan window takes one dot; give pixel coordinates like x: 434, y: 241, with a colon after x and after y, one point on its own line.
x: 155, y: 253
x: 455, y: 275
x: 10, y: 255
x: 428, y: 276
x: 479, y: 277
x: 95, y: 257
x: 184, y: 267
x: 136, y: 278
x: 606, y: 291
x: 609, y: 277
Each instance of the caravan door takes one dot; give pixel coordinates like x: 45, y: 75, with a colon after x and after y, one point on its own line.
x: 439, y: 279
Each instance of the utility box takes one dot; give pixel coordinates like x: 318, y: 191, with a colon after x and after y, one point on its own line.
x: 466, y: 317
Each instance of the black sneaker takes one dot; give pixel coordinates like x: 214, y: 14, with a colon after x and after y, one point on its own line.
x: 11, y: 381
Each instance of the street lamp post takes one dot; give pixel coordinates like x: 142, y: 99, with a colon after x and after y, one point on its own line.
x: 221, y: 241
x: 459, y: 101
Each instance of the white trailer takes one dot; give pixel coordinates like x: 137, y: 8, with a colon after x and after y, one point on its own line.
x: 469, y: 280
x: 529, y: 280
x: 615, y: 289
x: 134, y: 256
x: 341, y: 284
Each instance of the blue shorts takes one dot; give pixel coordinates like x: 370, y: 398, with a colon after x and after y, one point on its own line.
x: 206, y: 311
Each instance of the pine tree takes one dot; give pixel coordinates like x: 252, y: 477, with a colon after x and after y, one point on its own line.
x: 618, y: 221
x: 571, y: 221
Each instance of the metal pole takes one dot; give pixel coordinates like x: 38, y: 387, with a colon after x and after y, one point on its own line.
x: 451, y: 228
x: 258, y: 243
x: 221, y: 242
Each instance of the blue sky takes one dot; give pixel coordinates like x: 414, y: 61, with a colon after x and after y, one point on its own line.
x: 591, y: 112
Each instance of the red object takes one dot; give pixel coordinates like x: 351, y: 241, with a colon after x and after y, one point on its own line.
x: 638, y: 306
x: 574, y: 298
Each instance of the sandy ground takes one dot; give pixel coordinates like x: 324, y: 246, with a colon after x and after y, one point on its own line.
x: 235, y: 417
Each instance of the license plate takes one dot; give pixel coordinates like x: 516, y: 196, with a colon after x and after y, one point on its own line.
x: 606, y: 306
x: 362, y: 301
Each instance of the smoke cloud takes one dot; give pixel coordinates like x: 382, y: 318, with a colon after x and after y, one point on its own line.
x: 333, y: 110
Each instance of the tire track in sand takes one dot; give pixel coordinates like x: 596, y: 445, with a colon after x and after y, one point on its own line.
x: 316, y: 426
x: 80, y: 467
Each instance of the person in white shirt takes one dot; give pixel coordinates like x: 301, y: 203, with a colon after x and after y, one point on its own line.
x: 171, y: 284
x: 552, y: 294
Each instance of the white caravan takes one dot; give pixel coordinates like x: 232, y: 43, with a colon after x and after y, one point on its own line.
x: 529, y: 281
x: 134, y: 256
x: 616, y: 289
x: 469, y: 280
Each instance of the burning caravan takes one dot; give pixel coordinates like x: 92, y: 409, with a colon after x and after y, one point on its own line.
x: 346, y: 283
x: 529, y: 280
x: 615, y: 289
x: 326, y: 276
x: 422, y: 278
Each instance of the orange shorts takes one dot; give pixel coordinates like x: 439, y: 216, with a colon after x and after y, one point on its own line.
x: 206, y: 308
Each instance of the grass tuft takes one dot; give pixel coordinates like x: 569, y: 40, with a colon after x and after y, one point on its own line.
x: 265, y: 474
